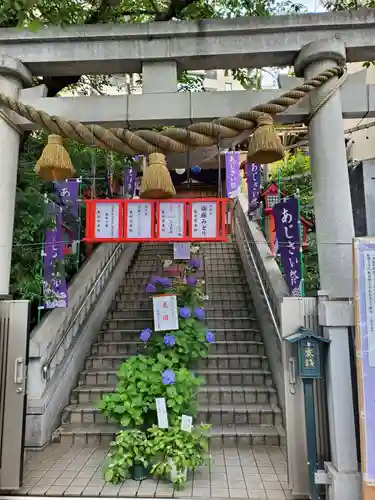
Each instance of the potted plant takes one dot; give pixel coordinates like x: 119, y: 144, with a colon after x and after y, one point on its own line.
x: 129, y: 456
x: 175, y: 451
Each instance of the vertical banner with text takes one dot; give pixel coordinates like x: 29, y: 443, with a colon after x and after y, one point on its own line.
x: 55, y: 290
x: 286, y: 215
x: 67, y: 193
x: 232, y: 173
x: 253, y: 185
x: 130, y: 177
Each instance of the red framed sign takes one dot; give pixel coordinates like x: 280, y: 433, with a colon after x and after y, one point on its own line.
x: 174, y: 220
x: 139, y: 220
x: 104, y: 220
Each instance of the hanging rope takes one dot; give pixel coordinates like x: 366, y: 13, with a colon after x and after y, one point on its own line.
x: 176, y: 140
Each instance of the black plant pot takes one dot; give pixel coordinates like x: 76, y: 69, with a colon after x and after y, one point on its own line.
x: 139, y: 472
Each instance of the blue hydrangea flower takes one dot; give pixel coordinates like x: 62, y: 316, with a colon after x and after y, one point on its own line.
x: 194, y: 264
x: 210, y: 338
x: 165, y: 282
x: 169, y: 340
x: 199, y: 313
x: 191, y: 281
x: 155, y: 280
x: 168, y: 377
x: 150, y: 288
x: 145, y: 335
x: 185, y: 312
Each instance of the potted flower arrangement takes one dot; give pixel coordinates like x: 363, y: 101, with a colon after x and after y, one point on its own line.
x: 164, y: 371
x: 128, y: 456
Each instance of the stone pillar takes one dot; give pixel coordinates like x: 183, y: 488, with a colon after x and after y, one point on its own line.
x: 13, y: 75
x: 335, y: 231
x: 159, y: 77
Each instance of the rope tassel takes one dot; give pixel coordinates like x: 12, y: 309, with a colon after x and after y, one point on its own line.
x: 265, y: 145
x: 54, y: 163
x: 156, y: 181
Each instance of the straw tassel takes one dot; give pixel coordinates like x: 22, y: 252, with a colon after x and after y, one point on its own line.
x: 265, y: 145
x: 156, y: 181
x: 54, y: 163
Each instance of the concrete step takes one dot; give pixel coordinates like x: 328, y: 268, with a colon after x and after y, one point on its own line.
x: 213, y: 376
x: 229, y: 361
x: 246, y: 323
x: 221, y: 334
x: 238, y: 435
x: 258, y: 414
x: 212, y: 313
x: 219, y: 287
x: 212, y: 278
x: 241, y: 308
x: 207, y: 395
x: 218, y: 347
x: 129, y: 296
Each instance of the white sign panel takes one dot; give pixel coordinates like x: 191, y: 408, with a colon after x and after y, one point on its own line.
x: 107, y: 220
x: 171, y: 220
x: 181, y: 251
x: 204, y: 219
x: 186, y: 423
x: 369, y: 274
x: 139, y: 220
x: 161, y: 412
x: 165, y: 313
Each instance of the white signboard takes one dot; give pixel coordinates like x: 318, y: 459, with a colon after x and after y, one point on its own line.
x: 204, y: 219
x: 139, y: 220
x: 369, y: 274
x: 165, y: 313
x: 181, y: 251
x: 171, y: 220
x: 107, y: 220
x: 161, y: 412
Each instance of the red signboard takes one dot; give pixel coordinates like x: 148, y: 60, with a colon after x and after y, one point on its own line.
x: 173, y: 220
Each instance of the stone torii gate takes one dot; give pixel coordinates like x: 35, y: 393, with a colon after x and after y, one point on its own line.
x: 158, y: 50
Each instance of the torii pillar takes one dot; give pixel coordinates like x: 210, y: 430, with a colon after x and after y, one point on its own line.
x: 335, y: 232
x: 13, y: 76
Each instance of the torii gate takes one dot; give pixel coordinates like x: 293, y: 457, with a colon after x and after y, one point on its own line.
x: 325, y: 39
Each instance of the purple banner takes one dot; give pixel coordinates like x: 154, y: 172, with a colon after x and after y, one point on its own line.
x: 67, y: 193
x: 365, y: 270
x: 253, y: 185
x: 286, y: 214
x: 130, y: 178
x: 55, y: 290
x: 232, y: 173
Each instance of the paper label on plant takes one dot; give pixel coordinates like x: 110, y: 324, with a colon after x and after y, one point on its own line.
x: 165, y: 313
x: 161, y: 410
x: 186, y: 423
x: 181, y: 251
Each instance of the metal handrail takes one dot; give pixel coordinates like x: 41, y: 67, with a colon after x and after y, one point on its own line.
x: 46, y: 365
x: 261, y: 283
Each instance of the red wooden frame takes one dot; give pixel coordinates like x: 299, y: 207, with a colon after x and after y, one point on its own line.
x: 180, y: 201
x: 91, y: 219
x: 221, y: 222
x: 126, y: 204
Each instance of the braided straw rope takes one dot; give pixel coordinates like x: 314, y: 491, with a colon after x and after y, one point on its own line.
x: 175, y: 140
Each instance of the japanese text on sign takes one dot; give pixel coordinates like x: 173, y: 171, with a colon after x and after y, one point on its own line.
x: 139, y: 220
x: 204, y: 219
x: 369, y: 268
x: 181, y: 251
x: 171, y: 220
x: 107, y: 220
x: 165, y: 313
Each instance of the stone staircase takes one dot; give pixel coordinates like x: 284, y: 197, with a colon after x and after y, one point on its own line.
x: 239, y: 399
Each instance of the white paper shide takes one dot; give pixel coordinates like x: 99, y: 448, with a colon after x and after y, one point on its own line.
x: 139, y: 221
x: 204, y: 219
x: 165, y: 313
x: 171, y: 220
x: 107, y: 220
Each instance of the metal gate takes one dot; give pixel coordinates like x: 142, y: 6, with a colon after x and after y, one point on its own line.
x: 14, y: 325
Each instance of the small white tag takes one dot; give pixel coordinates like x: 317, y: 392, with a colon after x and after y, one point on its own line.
x: 161, y: 410
x: 186, y: 423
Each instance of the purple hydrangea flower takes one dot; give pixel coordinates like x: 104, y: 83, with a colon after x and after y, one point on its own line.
x: 191, y: 281
x: 210, y: 338
x: 155, y: 280
x: 145, y: 335
x: 169, y: 340
x: 165, y: 282
x: 168, y: 377
x: 194, y: 264
x: 185, y: 312
x: 150, y: 288
x: 199, y: 313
